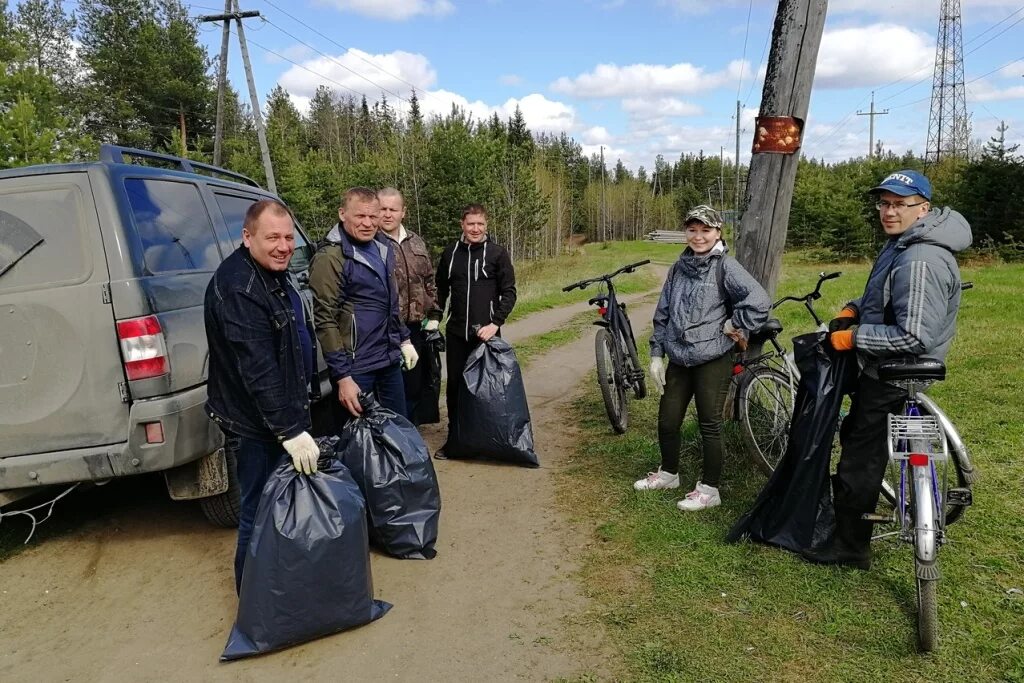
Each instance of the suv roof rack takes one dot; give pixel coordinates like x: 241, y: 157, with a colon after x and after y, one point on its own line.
x: 118, y: 154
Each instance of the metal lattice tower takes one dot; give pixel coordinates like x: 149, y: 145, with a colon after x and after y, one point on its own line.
x: 948, y: 126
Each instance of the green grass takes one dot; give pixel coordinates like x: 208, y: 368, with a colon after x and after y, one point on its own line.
x: 540, y: 282
x: 680, y: 604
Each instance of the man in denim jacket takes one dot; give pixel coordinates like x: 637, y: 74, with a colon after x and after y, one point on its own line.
x: 262, y: 360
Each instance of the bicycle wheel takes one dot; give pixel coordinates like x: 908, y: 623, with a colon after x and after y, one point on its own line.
x: 633, y: 365
x: 609, y: 377
x: 927, y: 615
x: 766, y: 409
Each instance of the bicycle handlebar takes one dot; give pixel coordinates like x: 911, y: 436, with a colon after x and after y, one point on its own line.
x: 582, y: 284
x: 811, y: 296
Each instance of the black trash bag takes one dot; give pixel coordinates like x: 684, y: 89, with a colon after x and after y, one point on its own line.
x: 427, y: 410
x: 392, y: 466
x: 307, y: 572
x: 494, y: 418
x: 794, y: 510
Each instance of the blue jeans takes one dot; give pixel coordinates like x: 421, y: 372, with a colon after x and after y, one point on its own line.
x: 387, y: 386
x: 255, y: 460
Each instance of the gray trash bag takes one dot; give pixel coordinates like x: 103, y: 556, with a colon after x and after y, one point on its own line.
x: 391, y: 464
x: 307, y: 572
x: 494, y: 417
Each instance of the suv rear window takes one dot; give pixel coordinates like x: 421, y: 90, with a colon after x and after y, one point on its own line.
x: 173, y: 225
x: 41, y: 238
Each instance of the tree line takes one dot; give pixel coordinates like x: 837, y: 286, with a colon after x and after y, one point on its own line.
x: 137, y: 75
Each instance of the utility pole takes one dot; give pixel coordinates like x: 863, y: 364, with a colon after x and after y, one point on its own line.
x: 222, y: 83
x: 871, y: 126
x: 257, y: 115
x: 736, y: 215
x: 721, y: 175
x: 796, y: 37
x: 604, y: 228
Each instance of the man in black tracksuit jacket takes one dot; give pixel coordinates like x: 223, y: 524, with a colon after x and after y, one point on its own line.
x: 476, y: 276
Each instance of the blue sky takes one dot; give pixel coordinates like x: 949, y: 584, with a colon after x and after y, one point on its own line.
x: 640, y: 77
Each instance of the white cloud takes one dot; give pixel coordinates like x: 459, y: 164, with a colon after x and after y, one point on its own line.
x: 984, y: 91
x: 292, y: 53
x: 361, y: 72
x: 540, y: 113
x: 871, y: 55
x: 641, y: 108
x: 646, y: 80
x: 511, y: 79
x: 1013, y: 70
x: 596, y: 135
x: 392, y: 10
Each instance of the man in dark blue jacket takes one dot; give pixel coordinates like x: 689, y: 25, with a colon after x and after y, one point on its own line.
x: 355, y: 307
x: 262, y: 351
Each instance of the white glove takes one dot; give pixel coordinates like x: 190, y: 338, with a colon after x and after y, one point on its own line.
x: 409, y: 356
x: 430, y: 325
x: 304, y: 452
x: 658, y: 374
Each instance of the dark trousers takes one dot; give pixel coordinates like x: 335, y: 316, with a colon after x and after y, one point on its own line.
x: 413, y: 380
x: 863, y: 435
x: 706, y: 384
x: 457, y: 351
x: 254, y: 462
x: 387, y: 386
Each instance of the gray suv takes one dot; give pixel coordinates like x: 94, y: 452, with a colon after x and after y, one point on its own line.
x: 103, y: 357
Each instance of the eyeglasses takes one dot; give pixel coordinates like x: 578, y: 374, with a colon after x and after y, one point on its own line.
x: 899, y: 206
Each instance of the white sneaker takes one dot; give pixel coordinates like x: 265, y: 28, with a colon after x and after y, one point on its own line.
x: 700, y: 498
x: 657, y: 480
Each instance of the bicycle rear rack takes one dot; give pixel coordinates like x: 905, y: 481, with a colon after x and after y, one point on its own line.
x: 916, y: 435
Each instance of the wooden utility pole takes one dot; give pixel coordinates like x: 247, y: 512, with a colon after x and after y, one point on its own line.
x: 233, y: 13
x: 796, y: 37
x: 222, y: 86
x: 871, y: 126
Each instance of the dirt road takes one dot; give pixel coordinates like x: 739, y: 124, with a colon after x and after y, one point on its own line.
x: 145, y: 592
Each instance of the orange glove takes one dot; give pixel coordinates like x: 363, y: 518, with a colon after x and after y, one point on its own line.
x: 843, y: 339
x: 846, y: 319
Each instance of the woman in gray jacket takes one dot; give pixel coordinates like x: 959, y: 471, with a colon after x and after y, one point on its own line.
x: 708, y: 304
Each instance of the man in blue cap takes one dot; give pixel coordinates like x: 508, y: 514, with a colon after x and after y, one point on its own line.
x: 909, y: 307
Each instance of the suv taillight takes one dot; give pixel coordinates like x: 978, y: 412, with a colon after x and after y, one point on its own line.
x: 142, y: 347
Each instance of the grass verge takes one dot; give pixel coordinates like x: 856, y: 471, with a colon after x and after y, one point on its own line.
x: 681, y: 605
x: 540, y: 282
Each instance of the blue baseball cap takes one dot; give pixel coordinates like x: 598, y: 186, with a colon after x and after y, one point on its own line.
x: 906, y: 183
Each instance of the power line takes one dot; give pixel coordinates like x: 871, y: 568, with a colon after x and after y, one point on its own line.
x: 324, y: 54
x: 764, y: 51
x: 347, y: 49
x: 743, y: 58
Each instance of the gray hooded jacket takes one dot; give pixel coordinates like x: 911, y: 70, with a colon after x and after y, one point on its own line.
x: 691, y: 312
x: 912, y: 296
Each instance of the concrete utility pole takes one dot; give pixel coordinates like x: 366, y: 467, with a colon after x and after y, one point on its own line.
x: 736, y: 215
x: 796, y: 37
x: 234, y: 13
x: 871, y: 126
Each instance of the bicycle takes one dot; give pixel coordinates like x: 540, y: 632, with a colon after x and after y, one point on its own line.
x: 924, y: 505
x: 618, y: 364
x: 763, y: 389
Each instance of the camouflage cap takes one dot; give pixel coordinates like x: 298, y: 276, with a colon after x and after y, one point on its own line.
x: 705, y: 214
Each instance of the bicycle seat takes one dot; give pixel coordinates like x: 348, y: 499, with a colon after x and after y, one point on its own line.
x: 766, y: 331
x: 920, y: 369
